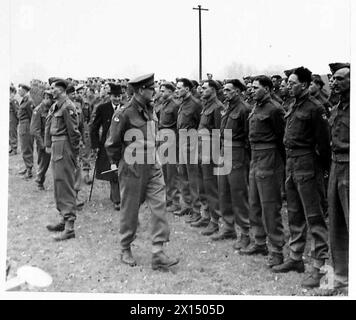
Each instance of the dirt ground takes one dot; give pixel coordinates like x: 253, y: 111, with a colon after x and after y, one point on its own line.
x: 90, y: 262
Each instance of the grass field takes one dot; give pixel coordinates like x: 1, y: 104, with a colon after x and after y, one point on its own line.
x: 91, y: 263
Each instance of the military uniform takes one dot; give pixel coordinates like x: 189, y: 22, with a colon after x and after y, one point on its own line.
x: 26, y: 139
x: 168, y: 113
x: 63, y: 136
x: 233, y: 187
x: 266, y: 130
x: 338, y: 191
x: 138, y: 181
x: 189, y: 118
x: 210, y: 119
x: 37, y: 128
x: 13, y: 123
x: 307, y: 148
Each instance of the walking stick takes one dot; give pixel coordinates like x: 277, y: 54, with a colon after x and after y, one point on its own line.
x: 94, y: 173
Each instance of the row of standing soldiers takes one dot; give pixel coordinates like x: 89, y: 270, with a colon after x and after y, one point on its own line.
x: 280, y: 145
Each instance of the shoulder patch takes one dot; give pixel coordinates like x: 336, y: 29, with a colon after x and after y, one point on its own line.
x: 116, y: 119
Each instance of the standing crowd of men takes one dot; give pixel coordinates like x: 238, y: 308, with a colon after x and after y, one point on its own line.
x: 288, y: 139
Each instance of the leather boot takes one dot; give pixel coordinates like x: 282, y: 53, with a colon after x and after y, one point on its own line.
x: 182, y: 212
x: 254, y: 250
x: 210, y: 229
x: 289, y: 265
x: 312, y: 280
x: 224, y: 235
x: 243, y: 242
x: 195, y: 216
x: 56, y: 226
x: 160, y: 261
x: 127, y: 258
x: 28, y: 174
x: 201, y: 223
x: 68, y: 232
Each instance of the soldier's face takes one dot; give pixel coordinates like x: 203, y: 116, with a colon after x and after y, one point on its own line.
x: 165, y: 92
x: 56, y: 91
x: 341, y: 81
x: 295, y: 87
x: 207, y: 91
x: 313, y: 88
x: 258, y: 91
x: 22, y: 92
x: 283, y: 88
x: 148, y: 93
x: 229, y: 91
x: 181, y: 90
x: 275, y: 82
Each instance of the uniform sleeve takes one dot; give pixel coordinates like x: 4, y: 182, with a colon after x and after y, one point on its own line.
x: 115, y: 138
x: 217, y: 117
x: 278, y: 125
x: 71, y: 121
x: 94, y: 128
x: 35, y: 128
x: 197, y: 114
x: 29, y: 108
x: 322, y: 137
x: 47, y: 136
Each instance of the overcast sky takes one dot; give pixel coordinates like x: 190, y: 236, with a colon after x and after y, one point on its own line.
x: 116, y: 38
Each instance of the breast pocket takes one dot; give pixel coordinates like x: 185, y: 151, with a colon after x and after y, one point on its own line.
x: 301, y: 121
x: 233, y: 122
x: 262, y: 123
x: 344, y: 125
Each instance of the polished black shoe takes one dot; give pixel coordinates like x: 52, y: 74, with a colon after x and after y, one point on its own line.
x: 274, y: 259
x: 183, y: 212
x: 160, y: 261
x: 56, y: 227
x: 194, y: 217
x: 117, y: 206
x: 127, y: 258
x: 224, y: 235
x: 40, y: 187
x: 289, y: 265
x: 254, y: 249
x: 201, y: 223
x: 243, y: 242
x: 210, y: 229
x: 312, y: 280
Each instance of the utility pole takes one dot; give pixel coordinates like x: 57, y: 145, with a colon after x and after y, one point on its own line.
x: 200, y: 47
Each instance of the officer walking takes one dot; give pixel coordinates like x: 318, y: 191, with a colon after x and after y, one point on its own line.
x: 266, y: 130
x: 339, y: 179
x: 13, y: 121
x: 308, y: 152
x: 26, y: 139
x: 140, y: 175
x: 62, y: 138
x: 37, y: 128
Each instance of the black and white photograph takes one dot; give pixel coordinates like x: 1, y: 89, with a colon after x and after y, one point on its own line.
x: 191, y: 148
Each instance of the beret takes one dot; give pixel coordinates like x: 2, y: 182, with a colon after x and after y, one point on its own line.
x: 169, y: 85
x: 144, y: 81
x: 25, y: 86
x: 70, y: 89
x: 337, y: 66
